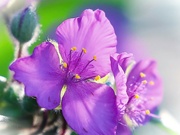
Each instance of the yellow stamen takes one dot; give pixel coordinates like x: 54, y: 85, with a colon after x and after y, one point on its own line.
x: 65, y: 65
x: 147, y: 112
x: 77, y: 76
x: 142, y: 75
x: 94, y: 58
x: 84, y: 50
x: 136, y: 96
x: 97, y: 78
x: 73, y: 48
x: 144, y: 82
x: 151, y: 83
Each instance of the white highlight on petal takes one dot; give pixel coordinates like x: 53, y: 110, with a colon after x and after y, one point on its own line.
x: 57, y: 49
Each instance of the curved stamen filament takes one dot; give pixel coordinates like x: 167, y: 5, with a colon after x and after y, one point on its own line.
x: 79, y: 58
x: 70, y: 54
x: 87, y: 65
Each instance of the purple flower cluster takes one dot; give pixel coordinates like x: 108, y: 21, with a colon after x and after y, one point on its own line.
x: 66, y: 75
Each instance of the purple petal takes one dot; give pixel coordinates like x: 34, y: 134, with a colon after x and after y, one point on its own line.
x: 92, y: 31
x: 124, y: 59
x: 120, y: 79
x: 41, y: 75
x: 123, y: 130
x: 153, y: 93
x: 90, y: 108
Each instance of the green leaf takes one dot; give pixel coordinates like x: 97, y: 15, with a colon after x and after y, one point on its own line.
x: 73, y: 133
x: 9, y: 105
x: 29, y: 105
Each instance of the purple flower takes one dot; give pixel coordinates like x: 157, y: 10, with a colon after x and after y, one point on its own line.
x: 85, y: 44
x: 138, y: 90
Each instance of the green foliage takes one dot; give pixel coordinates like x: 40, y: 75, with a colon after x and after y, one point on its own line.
x: 29, y: 105
x: 12, y: 106
x: 9, y: 104
x: 73, y: 133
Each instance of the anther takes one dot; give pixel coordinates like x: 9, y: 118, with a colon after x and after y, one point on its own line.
x: 151, y: 83
x: 94, y: 58
x: 147, y: 112
x: 97, y: 78
x: 77, y: 76
x: 73, y: 48
x: 84, y: 50
x: 142, y: 75
x: 144, y: 82
x: 136, y: 96
x: 64, y: 64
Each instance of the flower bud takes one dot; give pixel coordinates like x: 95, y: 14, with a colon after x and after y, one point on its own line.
x: 23, y: 25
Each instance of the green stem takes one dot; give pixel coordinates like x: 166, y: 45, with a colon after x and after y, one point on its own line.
x: 19, y: 52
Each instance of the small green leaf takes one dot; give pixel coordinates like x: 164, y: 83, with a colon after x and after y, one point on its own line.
x: 29, y: 105
x: 73, y: 133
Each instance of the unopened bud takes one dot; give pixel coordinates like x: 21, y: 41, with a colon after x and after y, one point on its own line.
x: 23, y: 25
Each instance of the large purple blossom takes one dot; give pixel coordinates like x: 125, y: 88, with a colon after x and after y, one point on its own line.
x: 81, y: 58
x: 139, y: 91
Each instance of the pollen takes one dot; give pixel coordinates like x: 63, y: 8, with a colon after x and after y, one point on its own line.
x: 144, y: 82
x: 97, y: 78
x: 142, y: 75
x: 65, y: 65
x: 147, y: 112
x: 77, y: 76
x: 73, y: 48
x: 151, y: 83
x: 84, y: 50
x: 94, y: 58
x: 136, y: 96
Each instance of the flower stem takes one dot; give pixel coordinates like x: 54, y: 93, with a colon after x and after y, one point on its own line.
x: 19, y: 51
x: 43, y: 123
x: 64, y: 125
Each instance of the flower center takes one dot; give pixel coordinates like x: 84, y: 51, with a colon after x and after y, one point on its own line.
x: 78, y: 67
x: 136, y: 109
